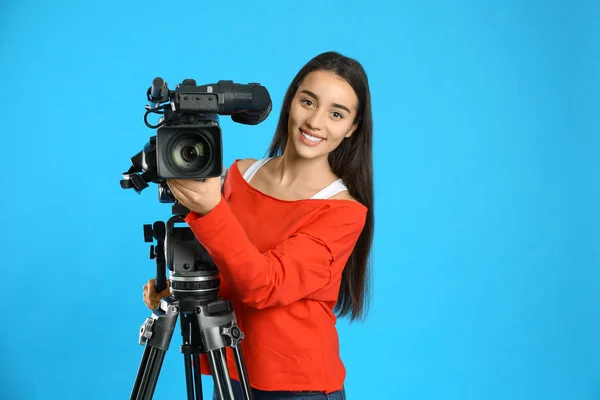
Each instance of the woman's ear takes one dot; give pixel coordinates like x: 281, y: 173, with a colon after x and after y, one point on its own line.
x: 351, y: 131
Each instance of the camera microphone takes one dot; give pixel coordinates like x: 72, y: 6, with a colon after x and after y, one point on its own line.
x: 158, y: 93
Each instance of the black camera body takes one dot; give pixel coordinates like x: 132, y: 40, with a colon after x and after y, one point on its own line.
x: 188, y: 140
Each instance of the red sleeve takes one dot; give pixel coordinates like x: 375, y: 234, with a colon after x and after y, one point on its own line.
x: 292, y: 270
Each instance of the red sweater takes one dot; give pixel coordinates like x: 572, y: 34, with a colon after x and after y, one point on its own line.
x: 280, y: 264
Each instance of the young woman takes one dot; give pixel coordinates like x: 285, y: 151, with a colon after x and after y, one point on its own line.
x: 291, y: 233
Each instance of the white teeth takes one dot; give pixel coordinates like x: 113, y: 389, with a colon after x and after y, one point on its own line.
x: 311, y: 138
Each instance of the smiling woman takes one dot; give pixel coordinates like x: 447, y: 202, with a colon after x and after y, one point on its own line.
x: 291, y: 233
x: 318, y: 117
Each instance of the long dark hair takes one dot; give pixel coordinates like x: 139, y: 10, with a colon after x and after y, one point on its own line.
x: 353, y: 162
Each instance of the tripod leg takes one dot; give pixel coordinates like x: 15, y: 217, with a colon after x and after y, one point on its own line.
x: 156, y: 333
x: 220, y: 372
x: 220, y: 330
x: 147, y: 382
x: 197, y: 377
x: 193, y: 377
x: 141, y: 371
x: 191, y: 350
x: 187, y: 361
x: 241, y: 367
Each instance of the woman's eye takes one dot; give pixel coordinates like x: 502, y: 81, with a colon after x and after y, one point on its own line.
x: 307, y: 102
x: 337, y: 115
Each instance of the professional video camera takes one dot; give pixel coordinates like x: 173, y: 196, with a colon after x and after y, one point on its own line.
x: 188, y: 141
x: 188, y: 145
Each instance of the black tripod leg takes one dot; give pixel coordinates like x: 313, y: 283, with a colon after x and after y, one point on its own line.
x: 187, y: 361
x: 141, y: 372
x: 191, y: 350
x: 197, y: 377
x: 155, y: 334
x: 220, y: 372
x: 146, y: 383
x: 219, y: 330
x: 241, y: 367
x: 193, y: 377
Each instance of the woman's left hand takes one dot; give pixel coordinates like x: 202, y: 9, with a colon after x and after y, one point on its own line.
x: 197, y: 196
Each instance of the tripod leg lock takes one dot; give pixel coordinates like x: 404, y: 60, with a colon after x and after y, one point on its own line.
x: 146, y: 331
x: 157, y: 330
x: 234, y: 333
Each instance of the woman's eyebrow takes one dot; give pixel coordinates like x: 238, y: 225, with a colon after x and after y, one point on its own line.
x: 308, y: 92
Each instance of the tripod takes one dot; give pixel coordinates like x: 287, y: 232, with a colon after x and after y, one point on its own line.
x: 207, y: 325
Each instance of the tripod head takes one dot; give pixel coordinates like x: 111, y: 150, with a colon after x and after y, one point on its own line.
x: 193, y: 275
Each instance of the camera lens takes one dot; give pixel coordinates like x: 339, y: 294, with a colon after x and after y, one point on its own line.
x: 190, y: 152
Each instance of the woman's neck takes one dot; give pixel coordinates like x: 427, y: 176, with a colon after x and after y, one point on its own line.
x: 291, y: 170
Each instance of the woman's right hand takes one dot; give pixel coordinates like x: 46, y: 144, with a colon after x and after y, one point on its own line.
x: 151, y: 298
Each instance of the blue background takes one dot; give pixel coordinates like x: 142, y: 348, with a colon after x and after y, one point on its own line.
x: 486, y: 254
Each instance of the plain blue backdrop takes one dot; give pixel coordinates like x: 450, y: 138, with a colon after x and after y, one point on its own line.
x: 486, y: 260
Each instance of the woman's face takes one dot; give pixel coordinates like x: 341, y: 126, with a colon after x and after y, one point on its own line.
x: 321, y: 114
